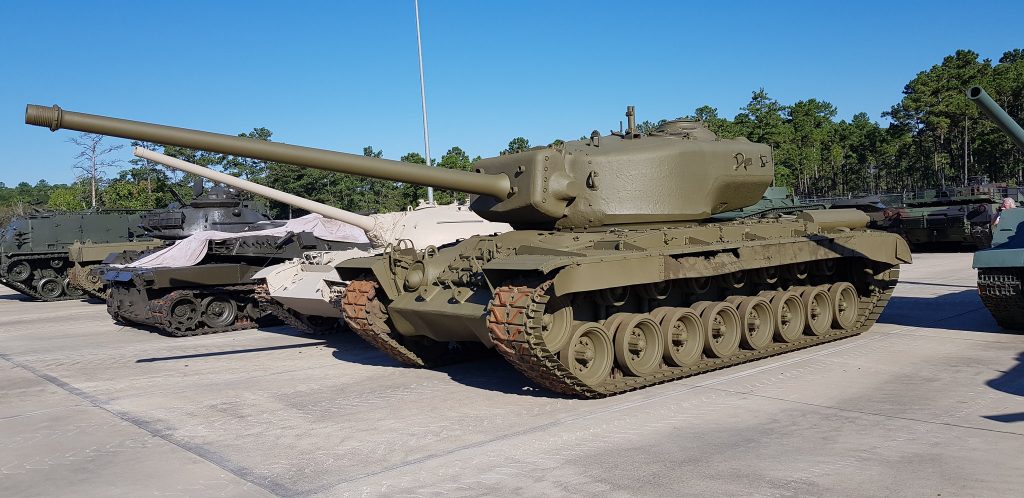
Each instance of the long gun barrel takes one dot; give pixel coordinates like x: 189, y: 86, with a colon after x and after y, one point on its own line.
x: 55, y: 118
x: 364, y: 222
x: 998, y: 116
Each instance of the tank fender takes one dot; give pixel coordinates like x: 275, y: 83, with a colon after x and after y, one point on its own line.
x: 377, y: 266
x: 586, y: 274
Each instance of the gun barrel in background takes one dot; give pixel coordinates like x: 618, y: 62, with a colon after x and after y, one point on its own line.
x: 55, y: 118
x: 995, y: 113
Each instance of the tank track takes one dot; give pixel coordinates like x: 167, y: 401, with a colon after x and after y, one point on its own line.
x: 1000, y: 291
x: 275, y: 308
x: 512, y: 314
x: 366, y: 316
x: 29, y: 290
x: 81, y: 278
x: 160, y: 310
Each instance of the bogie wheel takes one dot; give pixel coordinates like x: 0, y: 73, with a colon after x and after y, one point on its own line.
x: 722, y: 328
x: 184, y: 314
x: 71, y: 290
x: 845, y: 302
x: 788, y: 311
x: 19, y: 271
x: 638, y: 342
x: 589, y: 355
x: 50, y: 288
x: 682, y: 334
x: 219, y: 311
x: 818, y: 309
x: 556, y: 323
x: 757, y: 321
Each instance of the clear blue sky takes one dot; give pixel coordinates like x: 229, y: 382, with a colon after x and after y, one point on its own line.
x: 342, y: 75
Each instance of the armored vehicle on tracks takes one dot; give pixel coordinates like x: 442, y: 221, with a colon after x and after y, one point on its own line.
x: 615, y: 277
x: 34, y: 249
x: 216, y: 208
x: 953, y: 216
x: 203, y: 284
x: 299, y: 291
x: 1001, y: 268
x: 776, y: 201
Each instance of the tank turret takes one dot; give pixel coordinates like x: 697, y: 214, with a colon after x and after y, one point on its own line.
x: 995, y: 113
x: 679, y: 172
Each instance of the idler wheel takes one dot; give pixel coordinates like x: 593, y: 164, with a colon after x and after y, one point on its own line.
x: 682, y: 334
x: 589, y: 353
x: 845, y: 305
x: 817, y: 308
x: 698, y: 285
x: 757, y: 321
x: 616, y: 296
x: 219, y: 311
x: 71, y: 290
x: 638, y: 342
x: 788, y: 312
x: 184, y: 314
x: 722, y: 327
x: 556, y: 323
x: 50, y: 288
x: 19, y: 271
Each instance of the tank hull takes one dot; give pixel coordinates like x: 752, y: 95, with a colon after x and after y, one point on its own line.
x: 1000, y: 272
x: 536, y: 295
x: 300, y: 291
x: 34, y: 250
x: 216, y: 295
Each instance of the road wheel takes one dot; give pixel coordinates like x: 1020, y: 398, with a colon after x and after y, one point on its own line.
x: 682, y: 334
x: 50, y: 288
x: 589, y: 354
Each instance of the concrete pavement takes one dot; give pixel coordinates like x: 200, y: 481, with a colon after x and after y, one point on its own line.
x: 930, y: 401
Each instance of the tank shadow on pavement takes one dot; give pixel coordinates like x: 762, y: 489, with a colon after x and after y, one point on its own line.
x: 935, y: 312
x: 1010, y: 382
x: 231, y: 352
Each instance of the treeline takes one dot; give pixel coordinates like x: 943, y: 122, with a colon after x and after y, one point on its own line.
x: 934, y: 137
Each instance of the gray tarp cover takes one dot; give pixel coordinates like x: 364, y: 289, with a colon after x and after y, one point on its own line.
x: 190, y: 251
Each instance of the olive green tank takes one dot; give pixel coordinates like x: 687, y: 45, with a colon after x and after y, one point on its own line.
x: 953, y: 216
x: 616, y: 276
x: 215, y: 208
x: 1001, y: 268
x: 39, y: 253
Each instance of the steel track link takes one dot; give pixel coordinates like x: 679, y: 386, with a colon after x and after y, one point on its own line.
x: 28, y: 290
x: 161, y: 310
x: 275, y: 308
x: 1000, y: 291
x: 513, y: 322
x: 79, y: 278
x: 366, y: 317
